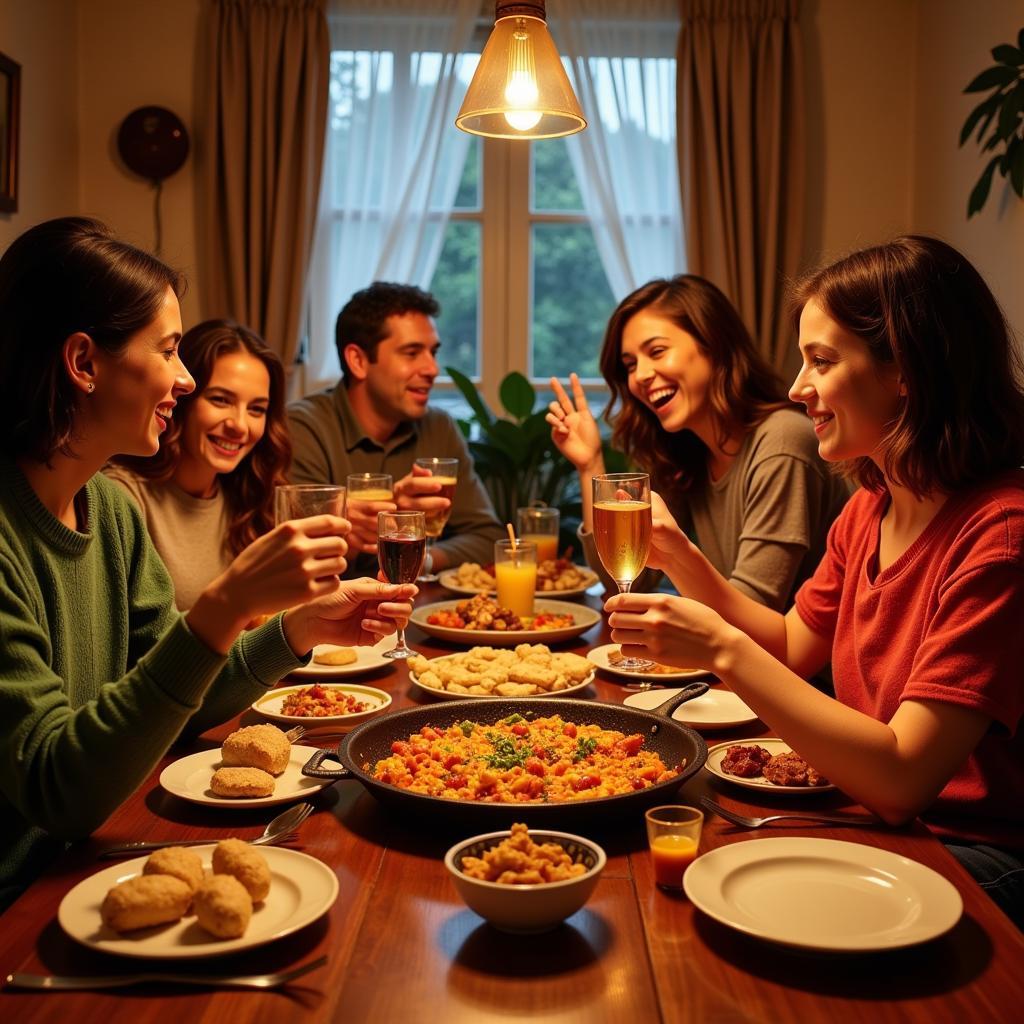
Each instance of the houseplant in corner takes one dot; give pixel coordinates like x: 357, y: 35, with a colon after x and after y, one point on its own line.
x: 515, y: 456
x: 1005, y: 106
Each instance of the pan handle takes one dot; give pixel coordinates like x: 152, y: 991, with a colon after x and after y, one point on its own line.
x: 688, y: 692
x: 311, y: 769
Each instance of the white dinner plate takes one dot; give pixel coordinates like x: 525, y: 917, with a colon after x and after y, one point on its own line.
x: 189, y: 777
x: 599, y: 656
x: 269, y: 705
x: 444, y: 694
x: 716, y: 709
x: 584, y: 618
x: 774, y: 746
x: 301, y: 890
x: 823, y: 894
x: 449, y: 580
x: 367, y: 658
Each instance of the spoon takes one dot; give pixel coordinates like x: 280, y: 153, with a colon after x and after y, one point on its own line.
x: 276, y: 831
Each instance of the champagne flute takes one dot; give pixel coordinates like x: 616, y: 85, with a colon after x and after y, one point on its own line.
x: 401, y: 544
x: 622, y: 533
x: 446, y: 473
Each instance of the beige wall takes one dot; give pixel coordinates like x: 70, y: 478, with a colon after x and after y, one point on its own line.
x: 954, y: 41
x: 40, y: 35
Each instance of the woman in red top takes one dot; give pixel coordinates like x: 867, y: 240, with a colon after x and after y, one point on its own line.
x: 911, y: 380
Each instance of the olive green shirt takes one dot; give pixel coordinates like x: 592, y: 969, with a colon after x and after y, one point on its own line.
x: 329, y: 443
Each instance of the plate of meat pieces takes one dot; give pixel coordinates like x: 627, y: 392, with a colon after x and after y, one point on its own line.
x: 765, y: 764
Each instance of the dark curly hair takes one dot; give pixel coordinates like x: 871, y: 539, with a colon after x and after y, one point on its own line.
x: 59, y: 278
x: 363, y: 319
x: 919, y: 304
x: 249, y: 488
x: 743, y: 390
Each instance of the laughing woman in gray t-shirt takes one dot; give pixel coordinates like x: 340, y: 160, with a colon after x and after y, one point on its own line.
x: 695, y: 405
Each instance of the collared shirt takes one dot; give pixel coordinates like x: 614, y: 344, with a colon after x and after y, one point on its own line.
x: 329, y: 443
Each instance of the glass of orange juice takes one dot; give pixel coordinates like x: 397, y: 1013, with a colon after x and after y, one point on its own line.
x: 515, y: 568
x: 673, y: 835
x: 539, y: 525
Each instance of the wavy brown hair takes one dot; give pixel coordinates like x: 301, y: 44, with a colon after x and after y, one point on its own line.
x: 743, y: 390
x: 249, y: 488
x: 920, y: 305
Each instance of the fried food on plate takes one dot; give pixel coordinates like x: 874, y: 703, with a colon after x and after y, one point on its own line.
x: 337, y: 656
x: 144, y: 901
x: 745, y: 760
x: 242, y: 782
x: 223, y: 906
x: 237, y: 858
x: 176, y: 862
x: 790, y: 769
x: 257, y: 746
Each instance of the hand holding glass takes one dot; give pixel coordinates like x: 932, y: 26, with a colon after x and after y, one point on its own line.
x: 446, y: 473
x: 300, y: 501
x: 673, y: 834
x: 401, y: 542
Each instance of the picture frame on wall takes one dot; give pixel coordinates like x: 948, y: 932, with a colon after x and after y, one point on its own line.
x: 10, y: 98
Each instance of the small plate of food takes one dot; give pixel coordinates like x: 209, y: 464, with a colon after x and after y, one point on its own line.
x: 480, y: 618
x: 330, y: 661
x: 716, y: 709
x: 256, y: 766
x: 556, y: 578
x: 188, y: 904
x: 764, y: 764
x: 489, y: 672
x: 609, y: 656
x: 335, y: 704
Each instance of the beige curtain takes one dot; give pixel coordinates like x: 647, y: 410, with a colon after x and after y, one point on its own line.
x: 739, y: 82
x: 264, y: 115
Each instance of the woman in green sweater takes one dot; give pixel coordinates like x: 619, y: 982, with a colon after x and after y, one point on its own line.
x: 98, y: 671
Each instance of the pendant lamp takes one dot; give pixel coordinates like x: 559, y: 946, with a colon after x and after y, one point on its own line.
x: 520, y: 89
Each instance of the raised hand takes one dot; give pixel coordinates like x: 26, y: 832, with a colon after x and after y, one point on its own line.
x: 363, y: 516
x: 419, y: 491
x: 573, y: 427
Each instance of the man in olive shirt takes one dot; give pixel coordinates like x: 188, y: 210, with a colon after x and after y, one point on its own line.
x: 377, y: 420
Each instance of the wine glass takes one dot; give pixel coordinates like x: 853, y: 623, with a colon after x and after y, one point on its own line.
x: 300, y: 501
x: 446, y: 473
x: 401, y: 544
x: 622, y: 533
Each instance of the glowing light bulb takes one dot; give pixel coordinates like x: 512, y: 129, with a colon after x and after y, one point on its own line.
x: 521, y: 85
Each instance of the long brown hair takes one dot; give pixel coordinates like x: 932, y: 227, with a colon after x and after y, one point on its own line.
x: 56, y: 279
x: 249, y: 488
x: 743, y: 390
x: 918, y: 304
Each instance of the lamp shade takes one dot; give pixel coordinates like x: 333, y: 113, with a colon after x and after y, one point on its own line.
x: 520, y: 89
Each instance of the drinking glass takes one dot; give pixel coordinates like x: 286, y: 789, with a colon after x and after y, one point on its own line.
x: 300, y: 501
x: 515, y: 569
x: 539, y: 525
x: 401, y: 543
x: 622, y: 532
x: 370, y: 487
x: 673, y: 835
x: 446, y: 473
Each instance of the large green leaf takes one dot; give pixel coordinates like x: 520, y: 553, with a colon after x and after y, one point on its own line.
x: 992, y: 78
x: 472, y: 396
x: 509, y: 438
x: 517, y: 395
x: 980, y: 191
x: 536, y: 430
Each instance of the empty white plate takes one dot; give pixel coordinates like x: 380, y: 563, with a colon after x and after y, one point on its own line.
x: 716, y: 709
x: 823, y: 894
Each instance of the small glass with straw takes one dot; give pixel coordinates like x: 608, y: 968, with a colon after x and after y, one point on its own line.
x: 515, y: 569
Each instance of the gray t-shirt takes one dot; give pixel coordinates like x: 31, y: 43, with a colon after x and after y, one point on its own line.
x: 764, y: 523
x: 328, y: 443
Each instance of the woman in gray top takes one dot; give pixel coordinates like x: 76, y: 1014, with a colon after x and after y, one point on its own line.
x: 695, y: 405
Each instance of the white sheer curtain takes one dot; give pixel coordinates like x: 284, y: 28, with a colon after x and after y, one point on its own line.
x: 621, y: 58
x: 393, y: 158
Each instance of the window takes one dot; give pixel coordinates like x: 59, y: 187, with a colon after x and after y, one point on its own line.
x: 528, y: 246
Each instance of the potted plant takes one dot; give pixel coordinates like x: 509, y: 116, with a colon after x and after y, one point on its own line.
x: 1005, y: 107
x: 515, y: 456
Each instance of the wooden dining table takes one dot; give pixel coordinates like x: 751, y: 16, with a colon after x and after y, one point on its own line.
x: 402, y: 947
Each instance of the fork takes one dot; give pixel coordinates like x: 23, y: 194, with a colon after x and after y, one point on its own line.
x: 64, y: 983
x: 295, y: 733
x: 743, y: 821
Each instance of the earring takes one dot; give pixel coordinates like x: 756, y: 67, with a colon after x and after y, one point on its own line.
x: 91, y: 387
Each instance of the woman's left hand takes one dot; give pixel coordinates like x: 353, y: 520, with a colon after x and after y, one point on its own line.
x: 359, y: 613
x: 665, y: 628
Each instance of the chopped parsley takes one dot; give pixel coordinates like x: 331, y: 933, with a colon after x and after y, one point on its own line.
x: 512, y: 720
x: 466, y: 727
x: 584, y: 748
x: 507, y: 754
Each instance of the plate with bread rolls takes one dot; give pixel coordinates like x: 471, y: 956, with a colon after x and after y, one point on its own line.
x: 189, y: 903
x: 255, y: 766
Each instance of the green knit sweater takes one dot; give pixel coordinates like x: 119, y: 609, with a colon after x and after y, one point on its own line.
x: 98, y: 671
